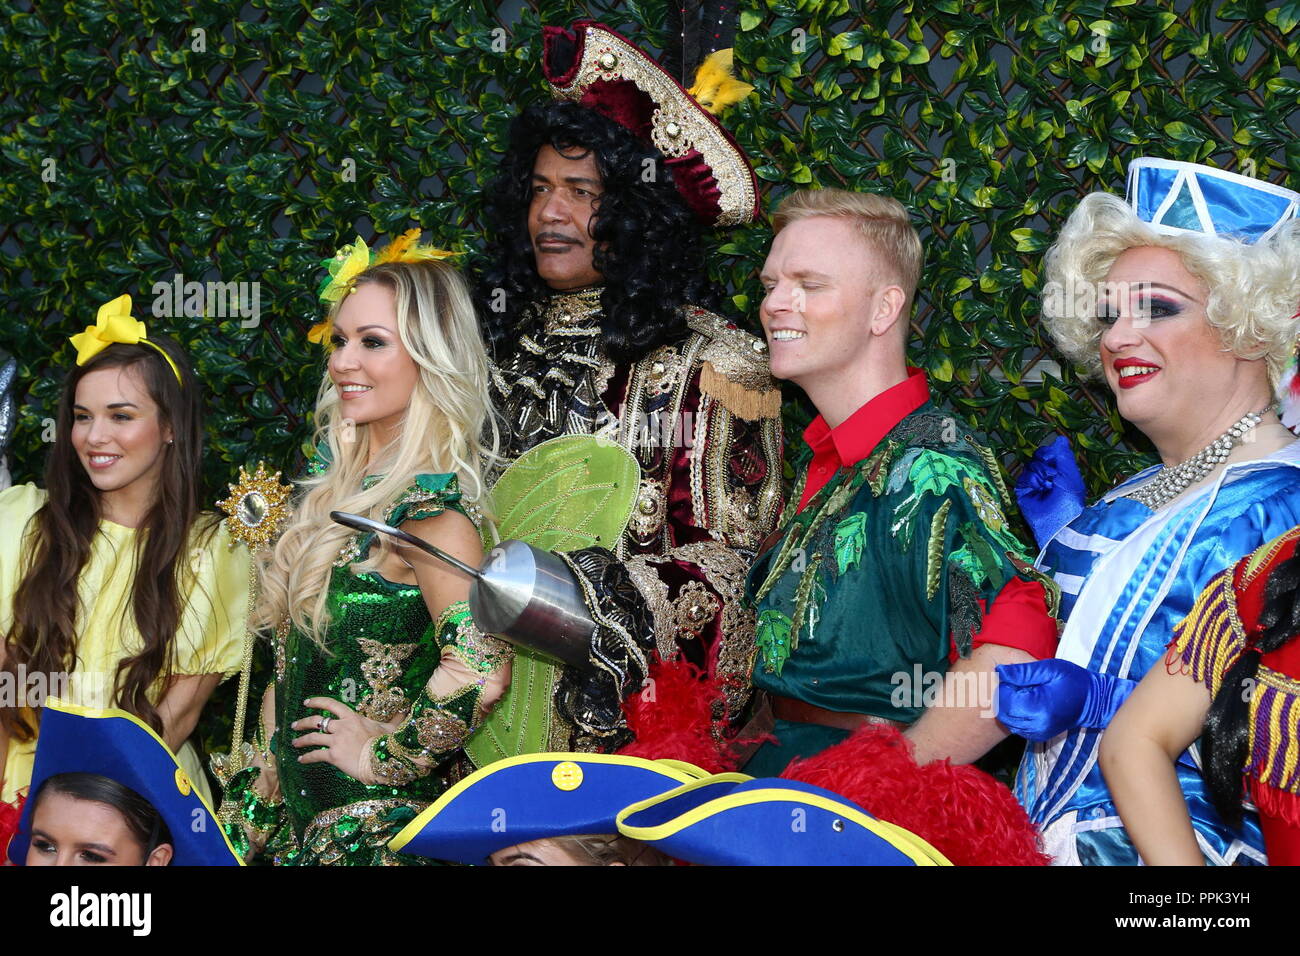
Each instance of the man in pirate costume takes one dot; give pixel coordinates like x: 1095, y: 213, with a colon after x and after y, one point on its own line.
x: 894, y: 563
x: 595, y: 303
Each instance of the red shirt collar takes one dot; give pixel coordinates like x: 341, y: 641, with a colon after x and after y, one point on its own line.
x: 858, y: 435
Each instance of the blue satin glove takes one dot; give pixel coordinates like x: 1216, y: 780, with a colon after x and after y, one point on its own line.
x: 1043, y: 699
x: 1050, y: 490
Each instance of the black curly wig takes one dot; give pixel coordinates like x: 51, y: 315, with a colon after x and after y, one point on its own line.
x: 649, y: 247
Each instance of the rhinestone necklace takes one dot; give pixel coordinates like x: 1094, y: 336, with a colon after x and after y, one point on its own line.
x: 1170, y: 482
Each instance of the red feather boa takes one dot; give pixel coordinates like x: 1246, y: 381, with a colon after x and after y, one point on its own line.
x: 672, y: 717
x: 10, y: 814
x: 959, y: 810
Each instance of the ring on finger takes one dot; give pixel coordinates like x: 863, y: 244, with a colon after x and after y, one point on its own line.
x: 324, y: 726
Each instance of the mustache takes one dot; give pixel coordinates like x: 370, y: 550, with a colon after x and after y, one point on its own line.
x: 555, y: 237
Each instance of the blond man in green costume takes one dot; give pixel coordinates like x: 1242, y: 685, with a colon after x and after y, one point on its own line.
x: 895, y: 563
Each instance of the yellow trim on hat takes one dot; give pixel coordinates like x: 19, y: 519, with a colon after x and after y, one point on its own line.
x: 54, y: 703
x: 908, y: 843
x: 676, y: 770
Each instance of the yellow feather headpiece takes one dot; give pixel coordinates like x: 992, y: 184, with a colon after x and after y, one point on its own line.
x: 355, y: 258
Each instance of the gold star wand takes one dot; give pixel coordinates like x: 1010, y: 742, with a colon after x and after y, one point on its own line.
x: 258, y: 505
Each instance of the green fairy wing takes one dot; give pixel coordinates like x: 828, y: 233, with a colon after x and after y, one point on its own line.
x: 572, y: 492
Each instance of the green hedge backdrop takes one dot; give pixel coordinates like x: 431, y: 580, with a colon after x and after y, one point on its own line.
x: 143, y: 141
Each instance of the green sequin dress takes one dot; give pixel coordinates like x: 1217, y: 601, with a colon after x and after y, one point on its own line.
x: 382, y: 650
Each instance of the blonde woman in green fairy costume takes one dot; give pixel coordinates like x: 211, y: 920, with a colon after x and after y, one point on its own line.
x: 380, y: 674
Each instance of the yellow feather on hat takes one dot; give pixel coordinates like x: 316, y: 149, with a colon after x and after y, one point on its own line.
x: 716, y: 87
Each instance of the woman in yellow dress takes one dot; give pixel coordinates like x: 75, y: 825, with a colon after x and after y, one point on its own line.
x: 115, y: 589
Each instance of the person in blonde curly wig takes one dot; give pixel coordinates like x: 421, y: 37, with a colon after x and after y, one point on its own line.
x: 380, y: 674
x: 1250, y: 289
x: 1191, y: 329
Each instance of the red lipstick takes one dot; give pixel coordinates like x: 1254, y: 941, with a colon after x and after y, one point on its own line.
x: 1137, y: 378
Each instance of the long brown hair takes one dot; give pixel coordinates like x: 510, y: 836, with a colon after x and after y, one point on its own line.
x: 43, y: 635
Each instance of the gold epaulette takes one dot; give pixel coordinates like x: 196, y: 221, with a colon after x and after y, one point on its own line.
x: 1211, y: 637
x: 734, y: 367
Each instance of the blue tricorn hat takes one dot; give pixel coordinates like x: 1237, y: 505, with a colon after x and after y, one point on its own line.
x: 120, y: 746
x: 533, y: 797
x: 733, y: 820
x: 1179, y: 197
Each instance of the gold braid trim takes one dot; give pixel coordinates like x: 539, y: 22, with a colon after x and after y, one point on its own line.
x: 481, y: 653
x: 734, y: 368
x: 725, y: 570
x: 741, y: 401
x: 678, y: 125
x: 372, y: 831
x: 1273, y: 753
x: 655, y: 592
x: 1211, y: 637
x: 636, y: 655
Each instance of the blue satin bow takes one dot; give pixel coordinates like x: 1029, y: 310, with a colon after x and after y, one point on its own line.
x: 1050, y: 489
x: 1043, y: 699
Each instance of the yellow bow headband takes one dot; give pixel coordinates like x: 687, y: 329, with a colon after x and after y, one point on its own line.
x: 114, y: 325
x: 355, y: 258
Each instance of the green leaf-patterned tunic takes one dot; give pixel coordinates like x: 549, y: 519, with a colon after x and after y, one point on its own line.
x: 860, y: 594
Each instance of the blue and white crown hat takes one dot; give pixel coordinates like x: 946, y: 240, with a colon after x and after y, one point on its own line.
x: 733, y: 820
x: 1176, y: 197
x: 533, y: 797
x: 120, y: 746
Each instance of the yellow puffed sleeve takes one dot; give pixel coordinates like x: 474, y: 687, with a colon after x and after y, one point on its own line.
x: 17, y: 505
x: 211, y: 636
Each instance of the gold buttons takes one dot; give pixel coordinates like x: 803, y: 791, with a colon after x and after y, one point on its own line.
x: 607, y: 61
x: 646, y: 506
x: 567, y: 776
x: 183, y: 782
x: 672, y: 130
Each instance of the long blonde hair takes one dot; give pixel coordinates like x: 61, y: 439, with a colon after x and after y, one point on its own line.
x: 449, y: 426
